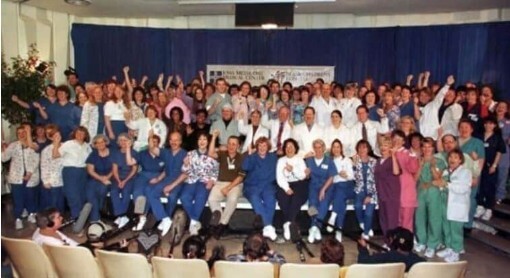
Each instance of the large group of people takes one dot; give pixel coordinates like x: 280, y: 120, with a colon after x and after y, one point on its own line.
x: 430, y: 157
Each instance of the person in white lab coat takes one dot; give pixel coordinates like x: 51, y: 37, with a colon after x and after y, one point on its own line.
x: 305, y: 133
x: 337, y: 130
x: 456, y: 183
x: 324, y: 104
x: 252, y: 131
x: 348, y: 105
x: 280, y: 129
x: 367, y: 129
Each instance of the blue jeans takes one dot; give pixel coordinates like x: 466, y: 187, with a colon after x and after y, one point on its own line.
x: 155, y: 192
x: 57, y: 198
x: 321, y: 206
x: 18, y: 198
x: 193, y: 198
x: 32, y: 198
x: 141, y: 183
x: 343, y: 191
x: 75, y: 180
x: 263, y: 200
x: 96, y: 193
x: 366, y: 215
x: 45, y: 198
x: 502, y: 180
x: 121, y: 197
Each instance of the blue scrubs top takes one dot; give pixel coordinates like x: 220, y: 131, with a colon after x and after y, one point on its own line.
x: 119, y: 159
x: 318, y: 173
x: 102, y: 165
x: 173, y: 163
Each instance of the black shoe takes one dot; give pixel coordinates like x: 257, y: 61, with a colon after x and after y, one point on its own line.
x: 215, y: 218
x: 467, y: 232
x: 220, y: 231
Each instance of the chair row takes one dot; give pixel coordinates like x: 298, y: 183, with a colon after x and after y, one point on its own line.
x: 30, y: 260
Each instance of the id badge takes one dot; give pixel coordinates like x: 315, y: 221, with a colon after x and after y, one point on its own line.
x: 324, y: 166
x: 231, y: 166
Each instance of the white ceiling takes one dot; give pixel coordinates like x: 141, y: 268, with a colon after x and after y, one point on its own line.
x: 171, y: 8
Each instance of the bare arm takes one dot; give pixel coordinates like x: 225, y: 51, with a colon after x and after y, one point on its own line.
x: 175, y: 183
x: 109, y: 129
x: 127, y: 80
x: 168, y: 82
x: 20, y: 102
x: 202, y: 80
x: 396, y: 167
x: 212, y: 146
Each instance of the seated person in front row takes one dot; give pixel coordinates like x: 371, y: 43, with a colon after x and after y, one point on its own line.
x: 48, y: 222
x: 401, y: 244
x: 256, y: 249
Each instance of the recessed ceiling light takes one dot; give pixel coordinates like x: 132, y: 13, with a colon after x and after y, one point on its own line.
x: 269, y: 26
x: 78, y: 2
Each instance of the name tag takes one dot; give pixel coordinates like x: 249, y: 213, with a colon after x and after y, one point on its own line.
x: 324, y: 166
x: 161, y: 164
x: 231, y: 166
x: 486, y: 145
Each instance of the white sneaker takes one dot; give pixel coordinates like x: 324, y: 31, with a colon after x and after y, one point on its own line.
x: 18, y: 224
x: 463, y: 251
x: 371, y: 233
x: 194, y: 227
x: 418, y: 248
x: 338, y: 236
x: 286, y: 230
x: 269, y: 232
x: 317, y: 234
x: 362, y: 226
x: 487, y: 215
x: 479, y: 211
x: 165, y: 224
x: 453, y: 257
x: 141, y: 223
x: 31, y: 218
x: 24, y: 214
x: 444, y: 253
x: 123, y: 221
x: 429, y: 253
x: 311, y: 234
x: 365, y: 237
x: 331, y: 221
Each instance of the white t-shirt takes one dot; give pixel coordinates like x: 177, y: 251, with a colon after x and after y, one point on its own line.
x: 73, y: 154
x: 115, y: 110
x: 38, y: 238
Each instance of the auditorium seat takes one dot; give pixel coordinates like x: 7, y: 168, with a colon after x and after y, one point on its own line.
x: 394, y: 270
x: 123, y: 265
x: 73, y: 261
x: 308, y: 270
x: 28, y: 258
x: 177, y: 268
x: 438, y: 269
x: 223, y: 269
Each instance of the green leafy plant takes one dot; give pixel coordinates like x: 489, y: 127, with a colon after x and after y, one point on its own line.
x: 25, y: 78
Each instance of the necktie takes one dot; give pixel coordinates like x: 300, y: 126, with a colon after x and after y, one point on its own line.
x: 364, y: 134
x: 253, y: 135
x: 279, y: 137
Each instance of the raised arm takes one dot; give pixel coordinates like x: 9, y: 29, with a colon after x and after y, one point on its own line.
x: 212, y: 146
x: 168, y: 82
x: 202, y: 80
x: 20, y: 102
x: 127, y: 80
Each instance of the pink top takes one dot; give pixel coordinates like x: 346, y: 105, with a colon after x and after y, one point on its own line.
x: 409, y: 165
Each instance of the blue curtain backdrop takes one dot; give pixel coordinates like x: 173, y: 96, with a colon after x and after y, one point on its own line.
x: 472, y: 52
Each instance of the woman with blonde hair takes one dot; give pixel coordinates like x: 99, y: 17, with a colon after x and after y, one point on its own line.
x: 114, y: 113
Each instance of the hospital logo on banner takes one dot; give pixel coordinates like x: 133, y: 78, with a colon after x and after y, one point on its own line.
x: 214, y: 74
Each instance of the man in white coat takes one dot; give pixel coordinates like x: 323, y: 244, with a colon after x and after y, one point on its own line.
x: 367, y: 129
x: 280, y: 129
x: 324, y: 104
x: 429, y: 119
x: 450, y: 113
x: 348, y: 105
x: 252, y: 131
x: 307, y: 132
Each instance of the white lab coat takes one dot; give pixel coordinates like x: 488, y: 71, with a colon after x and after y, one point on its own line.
x: 273, y: 126
x: 429, y: 120
x: 247, y: 130
x: 451, y: 119
x: 305, y: 137
x: 323, y: 109
x: 344, y: 134
x: 373, y: 129
x: 348, y: 108
x: 459, y: 190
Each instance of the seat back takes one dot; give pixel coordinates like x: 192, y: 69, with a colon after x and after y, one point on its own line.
x: 165, y: 267
x: 309, y: 270
x: 28, y: 258
x: 223, y: 269
x: 433, y: 269
x: 123, y: 265
x: 73, y: 261
x: 393, y: 270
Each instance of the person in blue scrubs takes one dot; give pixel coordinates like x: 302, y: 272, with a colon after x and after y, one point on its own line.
x: 65, y: 114
x: 100, y: 171
x: 173, y: 159
x: 318, y: 166
x: 46, y: 103
x: 125, y: 166
x: 152, y: 168
x: 260, y: 184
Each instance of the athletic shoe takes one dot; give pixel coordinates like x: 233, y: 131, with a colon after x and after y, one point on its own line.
x: 194, y: 227
x: 453, y: 257
x: 486, y: 216
x: 418, y: 248
x: 444, y: 253
x: 429, y: 253
x: 338, y: 236
x: 331, y: 221
x: 31, y: 218
x: 311, y: 234
x: 269, y: 232
x: 362, y: 226
x: 371, y: 233
x: 24, y: 214
x: 317, y: 234
x: 365, y: 237
x: 165, y: 224
x: 117, y: 220
x: 141, y: 223
x: 479, y: 211
x: 463, y: 251
x: 18, y: 224
x: 124, y: 220
x: 286, y: 230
